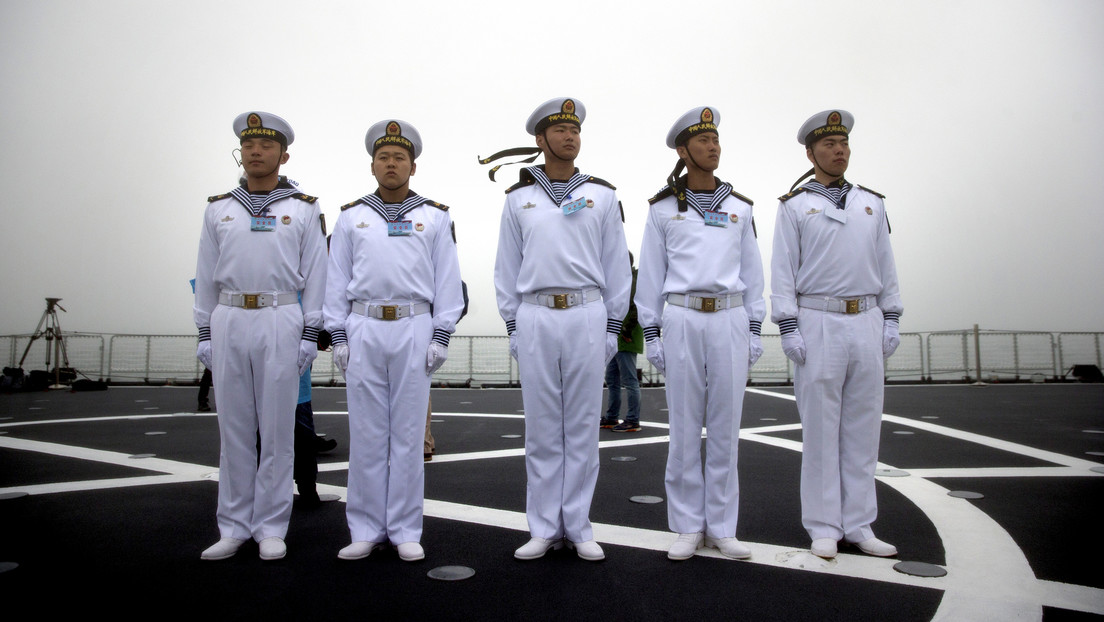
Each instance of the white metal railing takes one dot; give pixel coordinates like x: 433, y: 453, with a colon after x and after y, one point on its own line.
x: 966, y: 355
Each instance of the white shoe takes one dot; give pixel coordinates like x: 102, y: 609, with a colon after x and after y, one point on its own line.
x: 729, y: 547
x: 684, y: 546
x: 535, y: 548
x: 273, y: 548
x: 222, y: 549
x: 876, y: 547
x: 589, y: 550
x: 824, y: 547
x: 411, y: 551
x: 359, y: 550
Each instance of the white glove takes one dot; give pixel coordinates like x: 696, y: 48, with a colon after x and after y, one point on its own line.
x: 654, y: 351
x: 755, y: 349
x: 203, y: 353
x: 794, y: 347
x: 891, y: 338
x: 514, y: 346
x: 435, y: 357
x: 611, y: 346
x: 341, y: 357
x: 308, y: 351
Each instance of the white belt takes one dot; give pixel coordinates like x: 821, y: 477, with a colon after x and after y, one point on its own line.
x: 258, y: 301
x: 390, y: 312
x: 706, y: 304
x: 838, y: 305
x: 563, y: 299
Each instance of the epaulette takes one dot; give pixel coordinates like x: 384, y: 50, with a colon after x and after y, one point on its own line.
x: 348, y: 205
x: 742, y: 198
x: 873, y: 192
x: 792, y: 193
x: 601, y: 182
x: 217, y: 197
x: 667, y: 191
x: 305, y: 197
x: 526, y: 180
x: 440, y: 206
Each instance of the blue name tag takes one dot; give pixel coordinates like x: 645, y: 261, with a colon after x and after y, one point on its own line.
x: 404, y: 227
x: 716, y: 219
x: 574, y: 206
x: 263, y: 223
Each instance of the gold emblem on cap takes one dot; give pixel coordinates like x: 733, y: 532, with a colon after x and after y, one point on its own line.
x: 834, y: 118
x: 254, y: 120
x: 869, y: 211
x: 707, y: 116
x: 393, y: 129
x: 568, y: 107
x: 286, y: 220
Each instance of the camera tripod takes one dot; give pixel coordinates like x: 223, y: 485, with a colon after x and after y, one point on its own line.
x: 52, y: 333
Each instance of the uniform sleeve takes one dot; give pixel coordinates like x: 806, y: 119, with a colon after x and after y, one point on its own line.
x: 448, y: 294
x: 785, y: 261
x: 508, y: 266
x: 206, y: 291
x: 616, y: 267
x: 650, y: 277
x: 337, y: 306
x: 751, y: 274
x: 889, y: 299
x: 312, y: 268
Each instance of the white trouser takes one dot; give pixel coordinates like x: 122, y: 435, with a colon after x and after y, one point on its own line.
x: 256, y: 377
x: 706, y: 358
x: 561, y: 360
x: 388, y: 393
x: 839, y: 397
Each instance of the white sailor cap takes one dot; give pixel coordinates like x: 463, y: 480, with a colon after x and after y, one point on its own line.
x: 827, y: 123
x: 554, y: 111
x: 263, y: 125
x: 696, y: 121
x: 393, y: 132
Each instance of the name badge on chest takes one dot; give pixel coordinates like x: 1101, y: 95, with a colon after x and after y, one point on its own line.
x: 401, y: 228
x: 574, y: 206
x: 262, y: 223
x: 715, y: 219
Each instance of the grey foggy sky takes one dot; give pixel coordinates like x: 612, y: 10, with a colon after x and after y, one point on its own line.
x: 980, y: 121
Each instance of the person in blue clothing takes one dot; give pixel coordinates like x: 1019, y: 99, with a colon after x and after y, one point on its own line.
x: 621, y: 371
x: 307, y: 442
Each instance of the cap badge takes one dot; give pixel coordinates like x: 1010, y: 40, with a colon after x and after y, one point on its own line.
x: 568, y: 107
x: 707, y: 116
x: 834, y: 118
x: 393, y: 129
x: 254, y: 120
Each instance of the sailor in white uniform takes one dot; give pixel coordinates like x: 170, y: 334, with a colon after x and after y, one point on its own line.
x: 701, y: 257
x: 392, y: 301
x: 835, y: 298
x: 562, y: 277
x: 263, y: 245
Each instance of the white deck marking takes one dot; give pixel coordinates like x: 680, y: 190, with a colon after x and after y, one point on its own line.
x: 988, y: 575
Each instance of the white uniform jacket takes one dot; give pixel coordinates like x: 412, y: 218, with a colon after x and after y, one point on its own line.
x: 541, y: 248
x: 820, y: 250
x: 681, y: 254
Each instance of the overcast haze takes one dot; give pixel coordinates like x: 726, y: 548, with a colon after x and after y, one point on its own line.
x: 979, y: 120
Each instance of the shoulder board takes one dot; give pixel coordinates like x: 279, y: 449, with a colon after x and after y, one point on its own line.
x: 667, y: 191
x: 217, y: 197
x: 742, y: 198
x: 305, y: 197
x: 348, y: 205
x: 873, y: 192
x: 525, y: 181
x: 791, y: 194
x: 601, y: 182
x: 440, y: 206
